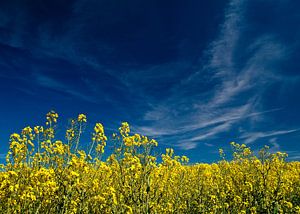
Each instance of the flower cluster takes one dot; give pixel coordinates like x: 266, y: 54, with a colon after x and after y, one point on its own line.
x: 46, y: 175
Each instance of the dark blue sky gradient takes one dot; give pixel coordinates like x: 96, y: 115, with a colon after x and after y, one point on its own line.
x: 195, y: 75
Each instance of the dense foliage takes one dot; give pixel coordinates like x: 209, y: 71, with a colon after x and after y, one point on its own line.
x: 45, y: 175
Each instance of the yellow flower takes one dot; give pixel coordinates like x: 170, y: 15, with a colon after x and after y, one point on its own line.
x: 128, y: 141
x: 82, y: 118
x: 288, y: 204
x: 38, y: 129
x: 100, y: 148
x: 124, y: 129
x: 134, y: 179
x: 70, y: 134
x: 99, y: 128
x: 51, y: 117
x: 74, y: 174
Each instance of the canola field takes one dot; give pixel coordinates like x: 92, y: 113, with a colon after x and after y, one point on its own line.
x: 43, y: 174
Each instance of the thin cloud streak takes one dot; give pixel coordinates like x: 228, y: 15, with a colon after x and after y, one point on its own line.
x: 294, y: 158
x: 251, y: 137
x: 186, y: 145
x: 213, y: 131
x: 48, y: 82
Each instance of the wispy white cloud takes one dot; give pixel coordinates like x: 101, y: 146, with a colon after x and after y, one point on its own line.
x: 222, y: 93
x: 222, y: 49
x: 273, y: 140
x: 209, y: 144
x: 232, y: 99
x: 250, y: 137
x: 186, y: 145
x: 213, y: 131
x: 195, y: 122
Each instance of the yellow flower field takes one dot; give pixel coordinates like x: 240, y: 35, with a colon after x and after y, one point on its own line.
x: 43, y: 174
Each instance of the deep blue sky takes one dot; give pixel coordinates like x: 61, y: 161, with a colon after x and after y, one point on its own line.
x: 193, y: 74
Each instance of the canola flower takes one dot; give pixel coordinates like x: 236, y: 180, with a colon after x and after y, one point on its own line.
x: 43, y: 174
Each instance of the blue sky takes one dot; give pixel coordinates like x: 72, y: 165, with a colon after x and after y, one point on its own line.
x: 195, y: 75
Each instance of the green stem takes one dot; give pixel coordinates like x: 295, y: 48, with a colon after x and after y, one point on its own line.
x: 91, y: 147
x: 79, y: 134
